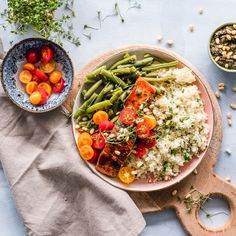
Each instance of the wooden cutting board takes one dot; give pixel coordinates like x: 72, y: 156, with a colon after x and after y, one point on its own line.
x: 206, y: 181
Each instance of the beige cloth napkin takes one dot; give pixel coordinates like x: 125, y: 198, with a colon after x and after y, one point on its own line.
x: 55, y: 192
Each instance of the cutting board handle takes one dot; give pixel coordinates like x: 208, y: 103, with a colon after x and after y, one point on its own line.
x: 191, y: 221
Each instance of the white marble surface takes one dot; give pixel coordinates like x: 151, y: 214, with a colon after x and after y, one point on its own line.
x: 171, y: 19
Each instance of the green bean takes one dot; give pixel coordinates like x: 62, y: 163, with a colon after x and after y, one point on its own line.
x: 160, y: 66
x: 95, y: 73
x: 110, y: 112
x: 155, y: 57
x: 109, y: 75
x: 158, y: 90
x: 124, y: 71
x: 130, y: 59
x: 105, y: 90
x: 125, y: 66
x: 92, y: 89
x: 113, y: 120
x: 84, y: 106
x: 144, y: 62
x: 152, y: 74
x: 98, y: 106
x: 116, y: 95
x: 126, y: 55
x: 90, y: 81
x: 84, y: 92
x: 147, y: 55
x: 159, y: 80
x: 123, y: 96
x: 116, y: 106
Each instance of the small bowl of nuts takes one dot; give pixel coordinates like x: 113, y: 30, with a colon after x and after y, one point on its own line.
x: 222, y: 47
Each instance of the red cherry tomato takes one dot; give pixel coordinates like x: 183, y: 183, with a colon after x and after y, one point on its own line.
x: 128, y: 116
x: 44, y: 95
x: 40, y: 75
x: 32, y: 56
x: 150, y: 141
x: 105, y: 125
x: 58, y: 87
x: 98, y: 140
x: 141, y: 150
x: 94, y: 159
x: 46, y: 54
x: 143, y: 130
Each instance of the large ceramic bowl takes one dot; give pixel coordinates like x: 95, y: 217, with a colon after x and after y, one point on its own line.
x: 109, y: 59
x: 10, y: 71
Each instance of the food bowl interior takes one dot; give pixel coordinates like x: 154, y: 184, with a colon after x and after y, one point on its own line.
x: 143, y: 185
x: 13, y: 63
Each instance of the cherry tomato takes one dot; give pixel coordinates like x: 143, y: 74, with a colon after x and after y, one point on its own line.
x: 41, y: 76
x: 125, y: 175
x: 128, y: 116
x: 99, y: 117
x: 31, y: 87
x: 105, y: 125
x: 55, y: 76
x: 47, y: 87
x: 44, y: 95
x: 143, y: 130
x: 150, y: 141
x: 98, y: 140
x: 85, y: 139
x: 29, y: 66
x: 25, y: 76
x: 32, y: 56
x: 58, y: 87
x: 49, y: 67
x: 141, y: 150
x: 35, y: 98
x: 86, y: 152
x: 46, y: 54
x: 94, y: 159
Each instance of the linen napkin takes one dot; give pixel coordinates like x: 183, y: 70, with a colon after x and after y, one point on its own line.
x: 54, y: 190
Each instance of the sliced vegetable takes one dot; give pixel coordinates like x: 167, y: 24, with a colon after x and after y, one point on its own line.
x: 141, y: 150
x: 105, y: 125
x: 86, y: 152
x: 41, y: 76
x: 29, y: 66
x: 128, y: 116
x: 125, y: 175
x: 46, y: 87
x: 46, y: 54
x: 143, y: 130
x: 151, y: 121
x: 25, y: 76
x: 44, y: 95
x: 85, y: 139
x: 31, y: 87
x: 35, y: 98
x: 55, y: 76
x: 94, y: 159
x: 150, y: 141
x: 58, y: 87
x: 32, y: 56
x: 99, y: 117
x: 98, y: 140
x: 49, y: 67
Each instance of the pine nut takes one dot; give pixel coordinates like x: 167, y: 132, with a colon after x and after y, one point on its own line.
x: 234, y: 89
x: 233, y: 106
x: 92, y: 131
x: 229, y: 122
x: 229, y: 115
x: 159, y: 38
x: 174, y: 192
x: 195, y: 172
x: 170, y: 42
x: 117, y: 152
x: 200, y: 11
x: 228, y: 151
x: 217, y: 94
x: 191, y: 28
x: 228, y: 179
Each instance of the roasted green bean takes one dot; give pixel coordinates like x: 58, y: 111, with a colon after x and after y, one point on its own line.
x: 159, y: 80
x: 116, y: 95
x: 144, y: 62
x: 130, y: 59
x: 95, y: 73
x: 92, y: 89
x: 98, y: 106
x: 124, y: 71
x: 160, y: 66
x: 105, y: 90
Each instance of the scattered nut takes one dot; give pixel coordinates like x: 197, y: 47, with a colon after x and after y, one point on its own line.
x: 170, y: 42
x: 234, y: 26
x: 200, y: 11
x: 217, y: 94
x: 229, y: 122
x: 228, y: 179
x: 85, y: 128
x: 159, y: 38
x: 234, y: 89
x: 233, y: 106
x: 146, y: 110
x: 228, y: 151
x: 217, y: 58
x: 77, y: 126
x: 187, y: 196
x: 174, y: 192
x: 222, y: 88
x: 195, y: 172
x: 191, y: 28
x: 117, y: 152
x: 84, y: 118
x: 221, y: 84
x: 217, y: 41
x: 228, y: 37
x: 151, y: 106
x: 92, y: 131
x: 227, y: 66
x: 229, y: 115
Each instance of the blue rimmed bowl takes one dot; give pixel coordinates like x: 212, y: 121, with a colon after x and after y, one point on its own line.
x: 12, y: 63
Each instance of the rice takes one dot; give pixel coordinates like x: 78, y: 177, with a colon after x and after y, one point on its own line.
x: 182, y: 132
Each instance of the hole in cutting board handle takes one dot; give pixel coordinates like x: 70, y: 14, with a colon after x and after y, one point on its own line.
x: 215, y: 213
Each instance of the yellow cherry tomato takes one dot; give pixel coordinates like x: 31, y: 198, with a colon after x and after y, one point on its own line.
x: 49, y: 67
x: 35, y: 98
x: 25, y: 76
x: 29, y: 66
x: 86, y: 152
x: 31, y: 87
x: 151, y: 121
x: 55, y: 76
x: 85, y: 139
x: 125, y: 175
x: 47, y: 87
x: 99, y: 117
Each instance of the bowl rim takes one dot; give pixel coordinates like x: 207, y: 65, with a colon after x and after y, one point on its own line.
x: 46, y: 41
x: 96, y: 62
x: 209, y: 49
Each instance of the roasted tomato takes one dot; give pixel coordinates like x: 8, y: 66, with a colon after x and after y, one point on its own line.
x: 141, y: 150
x: 150, y: 141
x: 143, y: 130
x: 32, y: 56
x: 41, y: 76
x: 128, y: 116
x: 125, y: 175
x: 98, y: 140
x: 46, y: 54
x: 58, y: 87
x: 105, y: 125
x: 94, y: 159
x: 44, y: 95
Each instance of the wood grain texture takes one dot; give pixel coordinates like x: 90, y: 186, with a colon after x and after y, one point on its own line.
x: 206, y: 181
